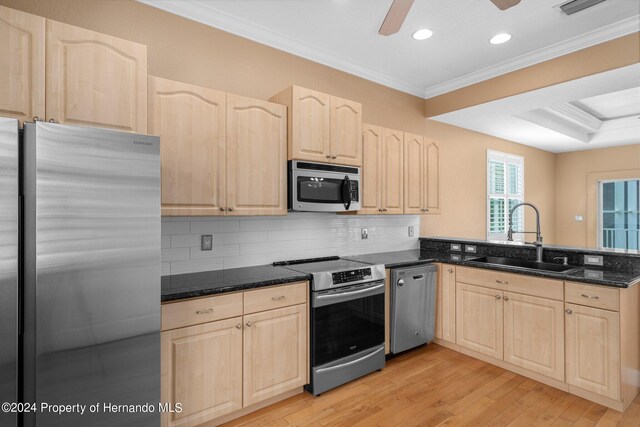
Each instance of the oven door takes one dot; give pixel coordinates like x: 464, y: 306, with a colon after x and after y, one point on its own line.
x: 346, y: 321
x: 322, y: 191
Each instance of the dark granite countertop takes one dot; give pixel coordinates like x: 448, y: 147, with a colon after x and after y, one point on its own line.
x: 393, y: 259
x: 193, y: 285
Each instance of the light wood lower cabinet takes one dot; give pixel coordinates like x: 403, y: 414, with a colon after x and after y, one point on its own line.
x: 534, y: 334
x: 479, y: 319
x: 446, y: 303
x: 593, y: 350
x: 202, y: 370
x: 275, y: 347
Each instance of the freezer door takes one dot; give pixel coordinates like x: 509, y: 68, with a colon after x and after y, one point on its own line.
x: 412, y: 307
x: 8, y: 265
x: 94, y: 222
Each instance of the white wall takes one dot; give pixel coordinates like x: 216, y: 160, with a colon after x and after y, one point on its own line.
x: 246, y: 241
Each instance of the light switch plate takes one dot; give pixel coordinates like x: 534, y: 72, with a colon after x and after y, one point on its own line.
x: 206, y: 242
x: 593, y: 260
x: 364, y: 234
x: 411, y: 231
x: 579, y: 218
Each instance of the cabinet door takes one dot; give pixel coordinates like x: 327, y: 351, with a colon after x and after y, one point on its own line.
x: 95, y: 80
x: 431, y: 172
x: 414, y: 176
x: 190, y: 121
x: 21, y: 65
x: 593, y: 350
x: 534, y: 334
x: 311, y: 125
x: 479, y: 319
x: 202, y: 369
x: 371, y: 170
x: 275, y: 352
x: 392, y: 171
x: 446, y: 302
x: 256, y: 157
x: 346, y: 132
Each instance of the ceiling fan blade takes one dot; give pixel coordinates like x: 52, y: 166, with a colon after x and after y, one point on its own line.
x: 395, y: 17
x: 505, y: 4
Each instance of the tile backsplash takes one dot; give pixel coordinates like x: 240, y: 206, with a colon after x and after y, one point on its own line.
x: 246, y: 241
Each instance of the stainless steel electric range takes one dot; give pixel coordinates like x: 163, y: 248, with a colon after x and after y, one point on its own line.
x: 347, y: 319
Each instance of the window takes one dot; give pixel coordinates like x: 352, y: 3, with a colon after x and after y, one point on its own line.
x: 505, y: 189
x: 619, y: 214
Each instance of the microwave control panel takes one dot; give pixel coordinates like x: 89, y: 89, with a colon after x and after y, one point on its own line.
x: 354, y: 191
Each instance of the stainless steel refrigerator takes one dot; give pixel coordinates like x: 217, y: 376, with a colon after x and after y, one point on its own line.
x: 91, y: 273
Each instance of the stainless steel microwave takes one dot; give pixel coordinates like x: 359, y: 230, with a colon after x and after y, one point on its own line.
x: 323, y: 187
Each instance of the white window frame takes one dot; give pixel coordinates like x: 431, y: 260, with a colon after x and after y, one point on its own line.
x: 600, y: 206
x: 507, y: 159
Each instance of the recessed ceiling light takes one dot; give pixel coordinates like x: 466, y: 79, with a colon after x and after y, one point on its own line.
x: 500, y: 38
x: 422, y: 34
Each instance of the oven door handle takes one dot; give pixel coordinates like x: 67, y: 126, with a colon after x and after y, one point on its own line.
x: 353, y: 362
x: 346, y: 294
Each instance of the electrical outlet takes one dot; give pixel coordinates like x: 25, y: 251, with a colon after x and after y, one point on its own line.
x: 411, y: 231
x: 579, y: 218
x: 206, y: 242
x: 593, y: 260
x: 364, y: 234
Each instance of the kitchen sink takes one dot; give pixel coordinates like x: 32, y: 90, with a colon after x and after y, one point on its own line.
x: 526, y: 264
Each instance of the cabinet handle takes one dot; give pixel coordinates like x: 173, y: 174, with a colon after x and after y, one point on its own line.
x: 53, y: 121
x: 280, y: 298
x: 506, y: 298
x: 502, y: 283
x: 498, y: 297
x: 222, y: 209
x: 568, y: 311
x: 230, y: 209
x: 451, y: 270
x: 426, y: 210
x: 208, y: 310
x: 248, y: 324
x: 384, y: 210
x: 328, y: 156
x: 239, y: 326
x: 37, y: 119
x: 590, y: 296
x: 334, y: 157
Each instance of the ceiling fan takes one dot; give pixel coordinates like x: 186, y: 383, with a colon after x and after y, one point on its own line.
x: 400, y: 8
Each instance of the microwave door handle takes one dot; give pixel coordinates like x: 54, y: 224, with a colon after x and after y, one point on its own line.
x: 346, y: 192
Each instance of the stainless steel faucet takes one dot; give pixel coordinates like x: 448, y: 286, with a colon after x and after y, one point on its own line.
x: 538, y: 242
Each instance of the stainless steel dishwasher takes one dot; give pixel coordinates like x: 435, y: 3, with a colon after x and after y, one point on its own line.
x: 413, y: 311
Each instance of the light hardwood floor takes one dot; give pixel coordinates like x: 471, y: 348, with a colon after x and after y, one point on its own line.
x: 437, y: 386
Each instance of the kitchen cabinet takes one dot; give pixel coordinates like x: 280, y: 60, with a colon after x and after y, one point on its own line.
x: 202, y: 369
x: 275, y: 352
x: 22, y: 59
x: 446, y: 303
x: 479, y: 319
x: 226, y: 355
x: 256, y: 157
x: 93, y: 79
x: 191, y: 122
x: 221, y: 154
x: 421, y: 175
x: 382, y: 173
x: 534, y: 334
x: 321, y: 127
x: 593, y: 350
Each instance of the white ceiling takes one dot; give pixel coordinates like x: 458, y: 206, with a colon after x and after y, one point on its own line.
x: 598, y: 111
x: 343, y: 34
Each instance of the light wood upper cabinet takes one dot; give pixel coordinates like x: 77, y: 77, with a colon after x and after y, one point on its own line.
x: 322, y: 128
x: 202, y: 369
x: 392, y: 171
x: 593, y: 350
x: 346, y: 132
x: 275, y: 352
x: 256, y: 157
x: 479, y: 319
x: 93, y: 79
x: 446, y: 303
x: 191, y: 123
x: 22, y: 58
x: 371, y: 176
x: 421, y: 175
x: 534, y: 334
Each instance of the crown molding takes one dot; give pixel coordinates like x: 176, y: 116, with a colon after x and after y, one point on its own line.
x: 612, y: 31
x: 201, y: 12
x: 204, y: 13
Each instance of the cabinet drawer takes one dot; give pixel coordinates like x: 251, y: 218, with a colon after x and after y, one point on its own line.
x: 520, y: 283
x: 201, y: 310
x: 592, y: 296
x: 275, y: 297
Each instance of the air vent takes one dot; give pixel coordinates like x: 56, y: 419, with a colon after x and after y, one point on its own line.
x: 575, y: 6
